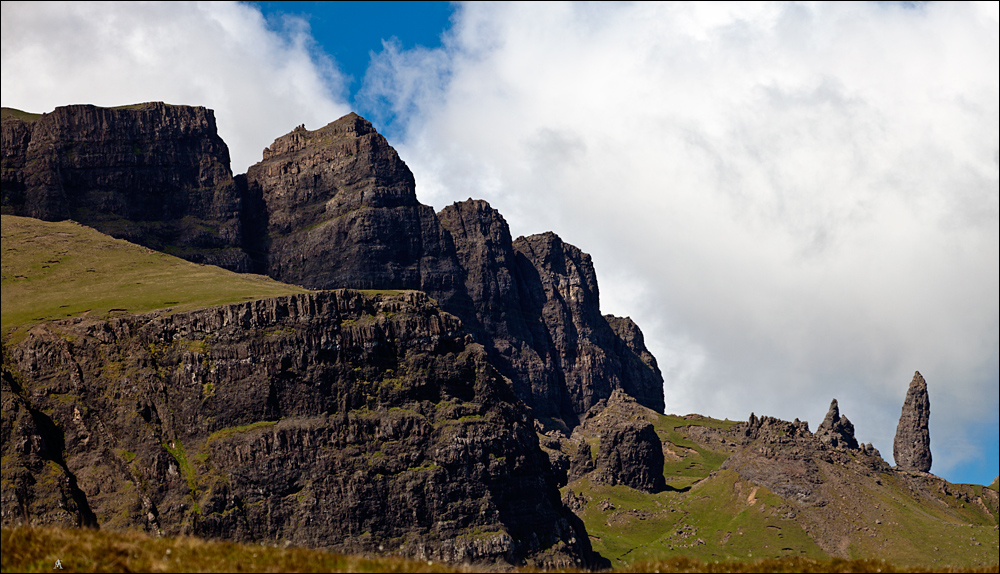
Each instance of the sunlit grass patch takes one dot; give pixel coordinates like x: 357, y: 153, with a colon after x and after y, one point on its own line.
x: 63, y: 269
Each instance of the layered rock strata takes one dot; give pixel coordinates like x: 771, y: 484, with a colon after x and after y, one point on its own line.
x: 152, y: 173
x: 911, y: 449
x: 339, y: 209
x: 331, y: 420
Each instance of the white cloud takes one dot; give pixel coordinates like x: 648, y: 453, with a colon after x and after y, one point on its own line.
x: 261, y: 80
x: 795, y: 201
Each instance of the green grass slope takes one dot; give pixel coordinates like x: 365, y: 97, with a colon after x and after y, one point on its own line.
x: 63, y: 269
x: 21, y: 115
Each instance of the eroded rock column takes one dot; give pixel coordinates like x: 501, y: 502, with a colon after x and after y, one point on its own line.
x: 912, y: 447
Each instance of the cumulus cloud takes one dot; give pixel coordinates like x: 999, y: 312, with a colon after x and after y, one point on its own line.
x: 795, y: 201
x: 262, y: 79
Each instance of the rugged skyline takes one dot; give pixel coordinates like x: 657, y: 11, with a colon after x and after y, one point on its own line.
x: 796, y: 202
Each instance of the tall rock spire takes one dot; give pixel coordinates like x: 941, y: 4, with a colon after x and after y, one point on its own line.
x: 912, y: 447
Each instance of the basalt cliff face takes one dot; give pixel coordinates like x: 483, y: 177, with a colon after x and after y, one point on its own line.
x: 332, y: 208
x: 336, y: 207
x: 331, y: 420
x: 153, y: 174
x: 536, y: 305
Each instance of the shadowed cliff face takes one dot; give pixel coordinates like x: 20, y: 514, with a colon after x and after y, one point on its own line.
x: 537, y: 306
x: 338, y: 209
x: 332, y: 420
x: 154, y: 174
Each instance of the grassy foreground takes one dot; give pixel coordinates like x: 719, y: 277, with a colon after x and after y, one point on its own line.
x: 54, y: 270
x: 33, y: 549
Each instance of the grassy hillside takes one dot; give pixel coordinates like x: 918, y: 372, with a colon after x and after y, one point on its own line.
x: 21, y: 115
x: 714, y: 515
x: 37, y: 549
x: 58, y: 270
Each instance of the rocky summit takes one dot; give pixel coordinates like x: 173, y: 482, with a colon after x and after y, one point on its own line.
x: 836, y: 429
x: 912, y: 447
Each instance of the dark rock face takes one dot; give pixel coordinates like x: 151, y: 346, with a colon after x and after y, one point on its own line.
x: 912, y: 447
x: 154, y: 174
x: 629, y: 450
x: 631, y: 454
x: 584, y: 342
x: 536, y: 306
x: 581, y: 463
x: 336, y: 207
x: 836, y: 430
x: 331, y: 420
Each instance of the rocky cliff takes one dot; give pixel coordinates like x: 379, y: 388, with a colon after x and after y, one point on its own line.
x: 536, y: 305
x: 154, y: 174
x: 332, y: 419
x: 336, y: 207
x: 332, y: 208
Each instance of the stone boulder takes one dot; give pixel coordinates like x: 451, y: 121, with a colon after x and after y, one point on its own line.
x: 631, y: 454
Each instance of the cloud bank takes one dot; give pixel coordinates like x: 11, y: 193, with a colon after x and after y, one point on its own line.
x: 795, y: 201
x: 262, y: 79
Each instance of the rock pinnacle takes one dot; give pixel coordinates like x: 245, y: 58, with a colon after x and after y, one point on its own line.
x: 912, y: 447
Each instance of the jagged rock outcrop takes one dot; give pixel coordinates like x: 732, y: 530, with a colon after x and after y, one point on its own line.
x: 911, y: 448
x: 504, y: 308
x: 336, y: 207
x: 154, y: 174
x: 330, y: 419
x: 836, y: 430
x: 787, y: 459
x: 536, y: 305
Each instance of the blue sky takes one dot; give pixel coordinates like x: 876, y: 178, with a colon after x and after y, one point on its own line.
x: 349, y: 32
x: 795, y: 201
